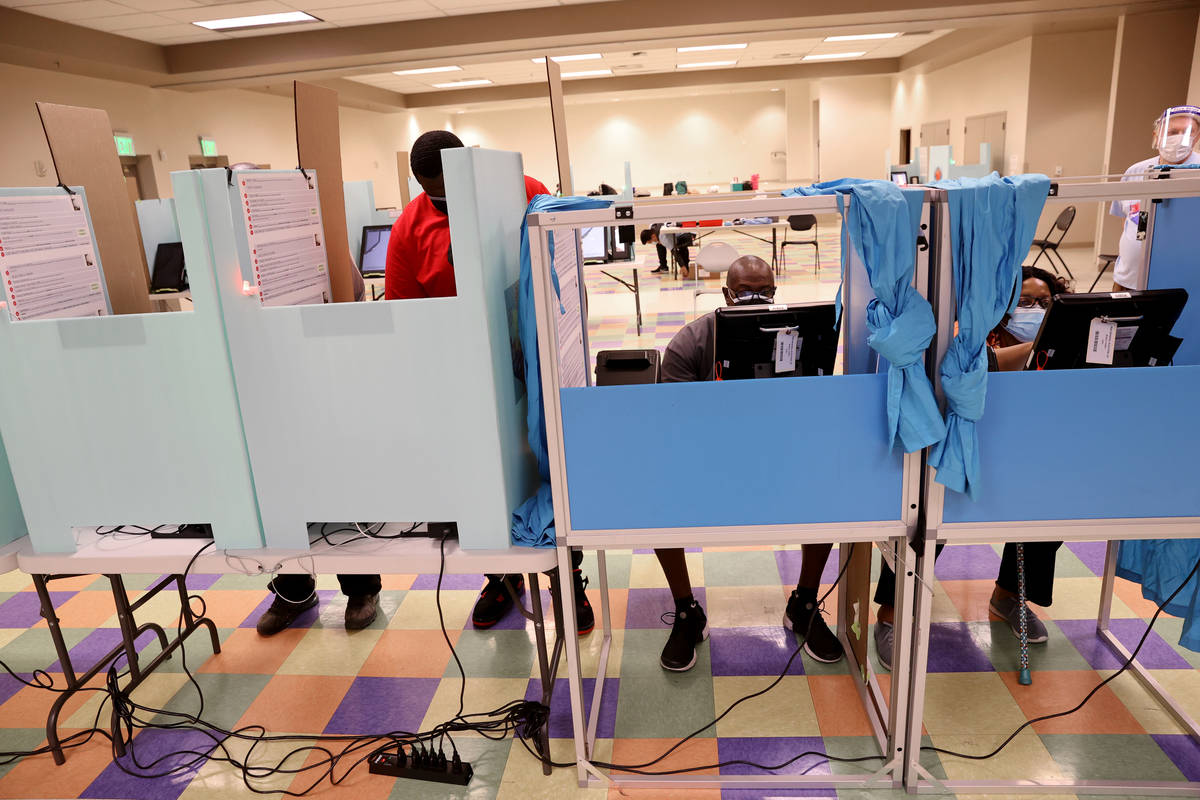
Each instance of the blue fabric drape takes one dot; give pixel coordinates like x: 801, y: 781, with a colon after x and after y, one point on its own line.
x: 882, y: 225
x: 1160, y: 565
x: 992, y: 223
x: 533, y: 521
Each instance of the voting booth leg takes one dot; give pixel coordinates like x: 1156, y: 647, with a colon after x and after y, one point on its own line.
x: 1147, y: 680
x: 547, y: 664
x: 922, y: 568
x: 605, y: 646
x: 569, y: 631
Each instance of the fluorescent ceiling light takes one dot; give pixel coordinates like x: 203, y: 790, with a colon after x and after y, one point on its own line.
x: 561, y: 59
x: 824, y: 56
x: 861, y: 37
x: 461, y: 84
x: 426, y: 70
x: 702, y: 47
x: 256, y: 21
x: 587, y: 73
x: 707, y: 64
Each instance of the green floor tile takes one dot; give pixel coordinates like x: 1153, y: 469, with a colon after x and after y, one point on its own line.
x: 487, y: 758
x: 1004, y: 650
x: 235, y: 581
x: 34, y: 648
x: 1068, y: 565
x: 197, y: 649
x: 751, y: 568
x: 1169, y: 628
x: 642, y: 648
x: 1111, y: 757
x: 15, y: 740
x: 226, y: 698
x: 667, y: 705
x: 493, y: 654
x: 617, y: 564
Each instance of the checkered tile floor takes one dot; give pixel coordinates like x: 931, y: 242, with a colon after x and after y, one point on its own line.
x: 398, y: 675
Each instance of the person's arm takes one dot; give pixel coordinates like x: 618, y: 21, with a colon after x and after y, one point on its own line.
x: 400, y: 268
x: 676, y: 366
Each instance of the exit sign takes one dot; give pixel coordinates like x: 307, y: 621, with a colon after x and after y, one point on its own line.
x: 208, y: 147
x: 124, y: 144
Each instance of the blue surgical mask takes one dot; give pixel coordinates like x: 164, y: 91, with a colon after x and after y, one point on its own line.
x: 1024, y: 323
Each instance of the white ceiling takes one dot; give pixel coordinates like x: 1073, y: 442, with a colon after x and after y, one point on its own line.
x: 169, y: 21
x: 655, y: 60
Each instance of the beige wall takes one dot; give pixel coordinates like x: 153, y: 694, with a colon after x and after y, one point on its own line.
x: 1070, y: 76
x: 997, y: 80
x: 707, y: 139
x: 854, y: 126
x: 1193, y: 97
x: 798, y: 97
x: 247, y: 126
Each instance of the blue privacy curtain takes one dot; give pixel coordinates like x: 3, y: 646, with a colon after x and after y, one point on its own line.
x: 882, y: 225
x: 992, y: 224
x: 533, y: 521
x: 1160, y: 565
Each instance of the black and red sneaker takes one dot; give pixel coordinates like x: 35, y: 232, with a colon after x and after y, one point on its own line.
x: 495, y: 600
x: 585, y: 618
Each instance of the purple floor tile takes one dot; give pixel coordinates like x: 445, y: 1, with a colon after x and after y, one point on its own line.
x: 968, y: 562
x: 473, y: 582
x: 93, y: 646
x: 305, y: 620
x: 560, y: 706
x: 10, y: 685
x: 776, y: 794
x: 23, y: 609
x: 1090, y: 553
x: 148, y: 747
x: 790, y: 561
x: 1183, y: 751
x: 646, y: 607
x: 194, y: 582
x: 753, y: 651
x: 952, y: 649
x: 1155, y: 653
x: 776, y: 750
x: 513, y: 621
x: 649, y: 550
x: 375, y: 705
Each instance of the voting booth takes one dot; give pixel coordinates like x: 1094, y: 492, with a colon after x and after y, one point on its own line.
x: 838, y: 481
x: 1113, y: 468
x: 446, y: 437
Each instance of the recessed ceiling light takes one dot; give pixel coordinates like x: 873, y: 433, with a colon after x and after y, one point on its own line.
x: 707, y: 64
x: 826, y: 56
x: 258, y: 21
x: 461, y: 84
x: 587, y: 73
x: 561, y: 59
x: 861, y: 37
x: 776, y: 89
x: 426, y: 70
x: 701, y: 47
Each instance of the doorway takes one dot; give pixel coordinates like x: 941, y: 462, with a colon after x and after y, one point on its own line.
x: 934, y: 134
x: 905, y: 147
x: 816, y: 140
x: 988, y: 128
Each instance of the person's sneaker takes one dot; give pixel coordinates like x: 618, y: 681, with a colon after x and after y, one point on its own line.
x: 659, y: 271
x: 885, y: 643
x: 585, y: 618
x: 282, y: 614
x: 495, y: 600
x: 361, y: 610
x: 689, y: 627
x: 821, y: 644
x: 1007, y: 610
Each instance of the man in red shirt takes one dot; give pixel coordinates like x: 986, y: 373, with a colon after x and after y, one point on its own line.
x: 420, y: 263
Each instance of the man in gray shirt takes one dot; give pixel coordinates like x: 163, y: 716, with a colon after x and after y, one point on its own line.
x: 690, y: 357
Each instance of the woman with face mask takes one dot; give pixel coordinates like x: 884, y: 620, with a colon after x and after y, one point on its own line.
x: 1176, y: 137
x: 1010, y: 343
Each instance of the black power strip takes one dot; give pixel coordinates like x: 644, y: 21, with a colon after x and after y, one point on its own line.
x: 421, y: 765
x: 199, y: 530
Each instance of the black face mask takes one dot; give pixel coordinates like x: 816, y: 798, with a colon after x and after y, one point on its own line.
x: 439, y: 203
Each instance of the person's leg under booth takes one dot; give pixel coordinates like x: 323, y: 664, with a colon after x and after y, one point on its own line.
x: 804, y: 614
x: 689, y: 624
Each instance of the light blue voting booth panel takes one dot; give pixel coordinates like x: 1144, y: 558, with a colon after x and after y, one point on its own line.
x: 361, y: 211
x: 157, y: 223
x: 676, y: 455
x: 1173, y: 265
x: 1127, y: 448
x: 389, y: 411
x: 12, y: 521
x: 126, y: 419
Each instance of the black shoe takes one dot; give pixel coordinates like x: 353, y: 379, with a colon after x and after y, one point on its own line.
x: 585, y: 618
x: 361, y: 610
x: 495, y: 600
x: 659, y: 271
x: 282, y: 614
x: 820, y: 643
x: 688, y: 629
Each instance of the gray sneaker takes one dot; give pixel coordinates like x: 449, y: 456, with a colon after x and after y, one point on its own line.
x: 885, y: 643
x: 1008, y: 610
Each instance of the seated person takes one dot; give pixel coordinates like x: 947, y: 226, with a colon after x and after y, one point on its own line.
x: 677, y: 243
x: 689, y: 357
x: 1009, y: 345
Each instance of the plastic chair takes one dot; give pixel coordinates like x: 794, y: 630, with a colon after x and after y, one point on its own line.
x: 801, y: 223
x: 716, y: 257
x: 1108, y: 259
x: 1049, y: 247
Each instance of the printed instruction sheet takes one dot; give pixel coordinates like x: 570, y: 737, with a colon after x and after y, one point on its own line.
x: 48, y: 258
x: 572, y: 357
x: 282, y: 215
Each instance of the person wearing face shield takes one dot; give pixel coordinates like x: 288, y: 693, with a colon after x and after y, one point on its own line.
x: 1176, y: 137
x: 1008, y: 348
x: 690, y: 356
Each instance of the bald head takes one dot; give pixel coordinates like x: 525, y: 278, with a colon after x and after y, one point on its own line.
x: 748, y: 274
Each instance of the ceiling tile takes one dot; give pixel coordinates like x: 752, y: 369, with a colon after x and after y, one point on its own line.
x: 227, y: 10
x: 78, y: 11
x: 159, y: 5
x: 372, y: 12
x: 488, y: 6
x: 177, y: 31
x: 127, y: 22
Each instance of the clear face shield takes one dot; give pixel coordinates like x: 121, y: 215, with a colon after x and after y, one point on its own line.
x: 1177, y: 134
